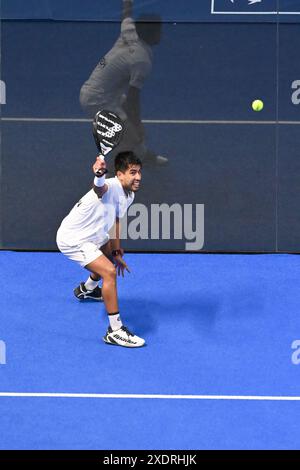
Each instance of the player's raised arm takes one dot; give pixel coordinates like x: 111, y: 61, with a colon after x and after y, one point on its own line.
x: 128, y: 29
x: 127, y: 9
x: 99, y: 169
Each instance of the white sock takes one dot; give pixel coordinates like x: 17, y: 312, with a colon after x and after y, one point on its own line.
x: 115, y: 321
x: 90, y: 284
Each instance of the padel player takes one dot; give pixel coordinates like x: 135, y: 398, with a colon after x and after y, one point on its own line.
x: 118, y: 79
x: 85, y: 236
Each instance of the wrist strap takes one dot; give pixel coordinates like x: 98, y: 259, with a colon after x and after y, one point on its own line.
x: 99, y: 181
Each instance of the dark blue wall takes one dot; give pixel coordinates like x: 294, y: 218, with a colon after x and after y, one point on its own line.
x: 247, y: 175
x: 170, y: 10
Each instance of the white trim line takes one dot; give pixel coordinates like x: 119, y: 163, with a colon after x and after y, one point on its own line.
x: 149, y: 396
x: 29, y: 119
x: 212, y: 7
x: 213, y: 12
x: 151, y: 121
x: 244, y: 13
x: 255, y: 13
x: 198, y: 121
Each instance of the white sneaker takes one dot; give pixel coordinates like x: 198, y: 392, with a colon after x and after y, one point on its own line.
x: 123, y: 337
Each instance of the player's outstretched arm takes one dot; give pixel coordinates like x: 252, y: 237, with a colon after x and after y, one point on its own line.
x: 99, y: 169
x: 127, y: 9
x: 117, y: 251
x: 115, y: 236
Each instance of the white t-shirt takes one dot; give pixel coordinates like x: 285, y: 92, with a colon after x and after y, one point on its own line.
x: 92, y: 217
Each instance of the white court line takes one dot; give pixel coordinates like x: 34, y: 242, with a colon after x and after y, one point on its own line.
x: 149, y: 396
x: 155, y: 121
x: 45, y: 119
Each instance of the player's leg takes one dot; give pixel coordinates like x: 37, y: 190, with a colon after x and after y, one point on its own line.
x: 117, y: 333
x: 137, y: 139
x: 105, y: 269
x: 90, y: 290
x: 82, y: 254
x: 89, y: 256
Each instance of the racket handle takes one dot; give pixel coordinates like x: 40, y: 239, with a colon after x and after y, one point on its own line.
x: 101, y: 172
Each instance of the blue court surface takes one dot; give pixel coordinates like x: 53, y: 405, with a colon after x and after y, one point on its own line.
x: 219, y: 370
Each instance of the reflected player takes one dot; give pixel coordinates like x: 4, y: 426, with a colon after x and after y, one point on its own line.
x: 118, y: 79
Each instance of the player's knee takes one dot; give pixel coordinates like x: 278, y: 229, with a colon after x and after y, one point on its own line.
x: 111, y: 273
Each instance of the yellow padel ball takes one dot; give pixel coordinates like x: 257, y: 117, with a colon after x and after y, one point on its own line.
x: 257, y: 105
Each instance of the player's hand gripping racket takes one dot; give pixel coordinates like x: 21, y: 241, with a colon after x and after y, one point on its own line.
x: 107, y: 132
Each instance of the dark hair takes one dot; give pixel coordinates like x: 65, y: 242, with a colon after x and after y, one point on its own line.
x: 124, y: 159
x: 148, y: 28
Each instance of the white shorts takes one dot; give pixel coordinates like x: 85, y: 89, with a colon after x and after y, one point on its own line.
x: 82, y: 254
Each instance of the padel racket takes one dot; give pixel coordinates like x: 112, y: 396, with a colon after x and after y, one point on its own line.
x: 107, y: 132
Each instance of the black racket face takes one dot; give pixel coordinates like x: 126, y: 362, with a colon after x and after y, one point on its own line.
x: 107, y: 131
